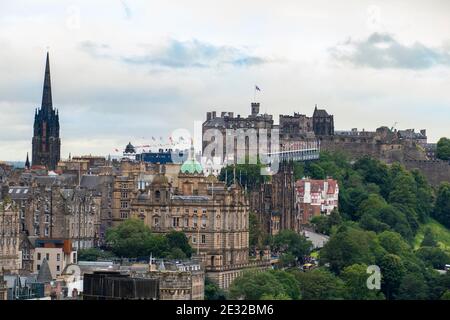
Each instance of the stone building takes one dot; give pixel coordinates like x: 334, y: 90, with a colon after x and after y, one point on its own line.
x: 227, y: 121
x: 178, y: 280
x: 213, y: 216
x: 46, y: 141
x: 52, y: 207
x: 323, y: 123
x: 10, y: 257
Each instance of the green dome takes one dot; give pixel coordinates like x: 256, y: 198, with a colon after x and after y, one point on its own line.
x: 191, y: 166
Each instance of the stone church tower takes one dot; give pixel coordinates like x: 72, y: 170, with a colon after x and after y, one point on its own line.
x: 46, y: 141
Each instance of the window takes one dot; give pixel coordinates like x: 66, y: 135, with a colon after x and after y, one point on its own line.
x: 194, y: 239
x: 39, y: 256
x: 38, y: 267
x: 57, y: 268
x: 195, y: 221
x: 74, y: 257
x: 156, y: 222
x: 46, y: 231
x: 203, y: 221
x: 123, y: 215
x: 124, y: 195
x: 58, y: 257
x: 175, y: 222
x: 186, y: 222
x: 203, y: 238
x: 47, y: 256
x: 124, y: 204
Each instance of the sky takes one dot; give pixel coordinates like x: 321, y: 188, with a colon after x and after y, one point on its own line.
x: 127, y: 70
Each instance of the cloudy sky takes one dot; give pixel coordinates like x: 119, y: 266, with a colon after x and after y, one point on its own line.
x: 127, y: 70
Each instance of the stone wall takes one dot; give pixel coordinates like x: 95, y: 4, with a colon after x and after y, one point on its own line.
x: 436, y: 171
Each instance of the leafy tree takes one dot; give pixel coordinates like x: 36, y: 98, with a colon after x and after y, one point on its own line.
x: 350, y: 246
x: 256, y: 285
x: 287, y: 260
x: 435, y: 257
x: 393, y: 243
x: 355, y: 284
x: 212, y: 291
x: 442, y: 208
x: 424, y: 196
x: 280, y: 296
x: 131, y: 238
x: 289, y: 241
x: 319, y: 284
x: 446, y: 295
x: 428, y: 239
x: 413, y: 287
x: 443, y: 149
x: 94, y: 254
x: 392, y: 272
x: 178, y: 240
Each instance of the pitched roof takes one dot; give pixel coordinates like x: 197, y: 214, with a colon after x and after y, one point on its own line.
x: 44, y: 275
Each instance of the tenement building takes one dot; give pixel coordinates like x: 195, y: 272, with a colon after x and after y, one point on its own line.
x: 46, y: 141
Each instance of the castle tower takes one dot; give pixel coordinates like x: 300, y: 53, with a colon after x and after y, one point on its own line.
x: 46, y: 141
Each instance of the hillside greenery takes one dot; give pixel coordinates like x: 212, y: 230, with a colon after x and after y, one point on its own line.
x: 388, y: 217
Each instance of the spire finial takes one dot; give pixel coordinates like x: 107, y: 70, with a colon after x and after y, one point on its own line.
x: 47, y: 90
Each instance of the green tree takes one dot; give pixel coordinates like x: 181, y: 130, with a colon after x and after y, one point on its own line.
x: 443, y: 149
x: 289, y: 241
x: 319, y: 284
x: 413, y: 287
x: 355, y: 284
x: 393, y: 243
x: 350, y: 246
x: 130, y: 239
x: 435, y: 257
x: 442, y: 208
x: 256, y: 285
x: 212, y: 291
x: 392, y: 272
x: 428, y: 239
x: 94, y: 254
x: 178, y: 240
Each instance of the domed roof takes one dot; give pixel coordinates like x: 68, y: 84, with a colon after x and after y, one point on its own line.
x: 130, y: 148
x: 160, y: 179
x: 191, y: 166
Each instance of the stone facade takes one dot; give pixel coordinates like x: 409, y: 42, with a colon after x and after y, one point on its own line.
x: 10, y: 256
x: 46, y: 141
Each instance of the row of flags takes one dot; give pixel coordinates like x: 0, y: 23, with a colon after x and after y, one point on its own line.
x: 170, y: 138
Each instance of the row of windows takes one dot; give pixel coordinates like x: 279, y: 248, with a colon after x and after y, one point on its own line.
x: 47, y: 256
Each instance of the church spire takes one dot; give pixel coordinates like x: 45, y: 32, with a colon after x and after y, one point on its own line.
x: 47, y: 90
x: 27, y: 163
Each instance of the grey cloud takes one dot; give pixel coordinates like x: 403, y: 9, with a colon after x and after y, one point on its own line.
x: 177, y: 54
x: 97, y: 50
x: 383, y: 51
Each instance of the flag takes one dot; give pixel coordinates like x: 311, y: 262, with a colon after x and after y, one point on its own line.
x: 257, y: 88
